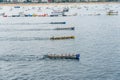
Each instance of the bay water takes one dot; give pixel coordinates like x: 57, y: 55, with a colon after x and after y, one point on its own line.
x: 24, y: 41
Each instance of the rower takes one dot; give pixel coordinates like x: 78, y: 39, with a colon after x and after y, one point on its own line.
x: 77, y: 56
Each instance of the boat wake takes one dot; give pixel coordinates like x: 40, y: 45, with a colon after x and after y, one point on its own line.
x: 23, y: 23
x: 42, y: 29
x: 21, y: 57
x: 16, y: 57
x: 22, y: 38
x: 35, y: 38
x: 11, y: 30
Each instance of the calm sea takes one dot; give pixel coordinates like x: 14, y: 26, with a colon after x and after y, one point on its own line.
x: 24, y: 41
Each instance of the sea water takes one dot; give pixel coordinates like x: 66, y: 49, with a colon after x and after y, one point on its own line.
x: 97, y: 39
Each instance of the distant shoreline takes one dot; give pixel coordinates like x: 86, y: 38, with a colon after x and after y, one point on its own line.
x: 54, y: 4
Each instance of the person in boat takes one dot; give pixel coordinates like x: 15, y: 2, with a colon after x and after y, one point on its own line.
x: 77, y: 56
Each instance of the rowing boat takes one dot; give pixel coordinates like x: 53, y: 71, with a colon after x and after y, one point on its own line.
x: 62, y: 56
x: 69, y: 28
x: 61, y: 38
x: 58, y: 23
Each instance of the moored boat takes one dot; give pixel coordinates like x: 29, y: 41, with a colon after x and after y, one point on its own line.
x: 112, y: 12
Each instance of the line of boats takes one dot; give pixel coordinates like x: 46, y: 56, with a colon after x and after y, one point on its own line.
x: 62, y: 56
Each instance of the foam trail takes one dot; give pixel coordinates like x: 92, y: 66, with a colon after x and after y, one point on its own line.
x: 22, y: 38
x: 32, y: 23
x: 21, y: 57
x: 11, y: 30
x: 45, y: 29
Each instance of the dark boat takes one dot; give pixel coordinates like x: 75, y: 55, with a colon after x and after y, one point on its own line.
x: 69, y: 28
x: 16, y: 6
x: 62, y: 56
x: 53, y: 15
x: 60, y: 38
x: 15, y: 15
x: 58, y: 23
x: 111, y: 12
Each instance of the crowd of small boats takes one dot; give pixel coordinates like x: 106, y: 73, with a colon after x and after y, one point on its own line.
x: 112, y: 12
x: 60, y: 10
x: 21, y: 11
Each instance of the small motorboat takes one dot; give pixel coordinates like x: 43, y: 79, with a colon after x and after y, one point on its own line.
x: 61, y: 38
x: 62, y: 56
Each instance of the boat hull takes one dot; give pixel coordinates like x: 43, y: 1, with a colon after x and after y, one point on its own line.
x: 68, y: 56
x: 61, y: 38
x: 69, y: 28
x: 58, y: 23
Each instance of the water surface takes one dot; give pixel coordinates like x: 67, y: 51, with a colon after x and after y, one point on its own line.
x: 97, y: 40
